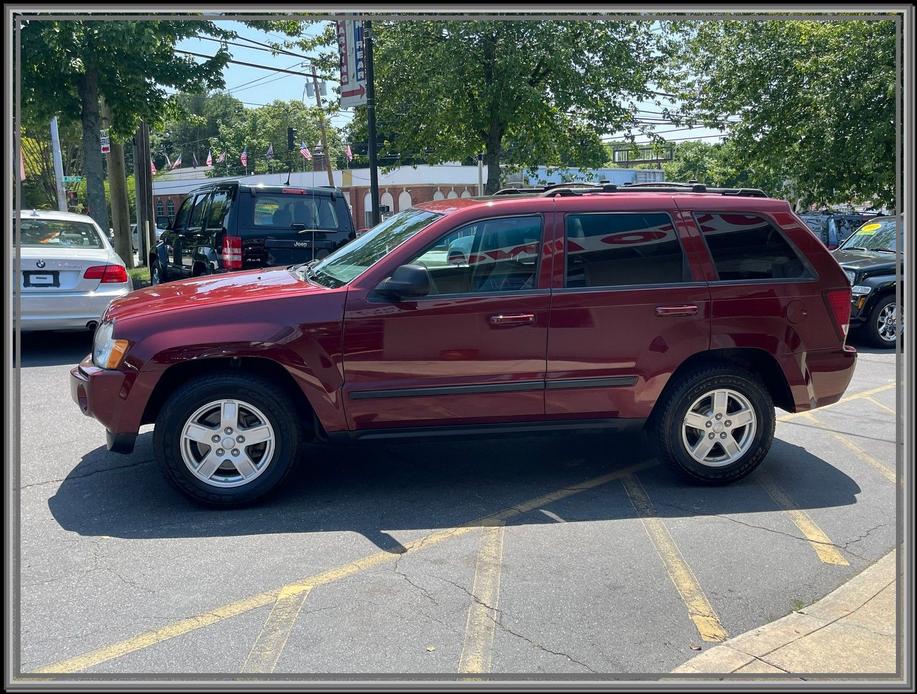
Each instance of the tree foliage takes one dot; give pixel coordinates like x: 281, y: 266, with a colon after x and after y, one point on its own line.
x: 814, y: 101
x: 522, y: 92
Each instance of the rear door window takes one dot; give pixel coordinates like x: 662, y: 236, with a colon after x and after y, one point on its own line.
x: 282, y: 211
x: 749, y: 247
x: 196, y: 221
x: 219, y: 208
x: 614, y: 249
x: 181, y: 219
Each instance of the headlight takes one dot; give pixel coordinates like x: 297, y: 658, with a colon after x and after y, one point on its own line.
x: 851, y: 276
x: 107, y: 353
x: 860, y: 290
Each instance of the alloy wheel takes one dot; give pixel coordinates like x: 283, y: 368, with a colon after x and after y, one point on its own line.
x: 719, y: 427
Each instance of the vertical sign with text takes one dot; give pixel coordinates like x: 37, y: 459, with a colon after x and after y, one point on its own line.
x: 353, y: 66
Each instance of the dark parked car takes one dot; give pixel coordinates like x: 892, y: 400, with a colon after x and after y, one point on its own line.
x: 692, y: 313
x: 870, y: 262
x: 233, y: 226
x: 833, y: 228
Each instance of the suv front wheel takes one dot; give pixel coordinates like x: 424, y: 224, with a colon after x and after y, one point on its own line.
x: 227, y: 439
x: 715, y: 425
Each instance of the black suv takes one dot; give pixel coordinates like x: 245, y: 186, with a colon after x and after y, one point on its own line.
x: 869, y: 260
x: 229, y: 226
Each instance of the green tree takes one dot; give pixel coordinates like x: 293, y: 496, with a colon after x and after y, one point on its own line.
x: 39, y: 189
x: 193, y: 124
x: 814, y: 101
x: 522, y: 92
x: 67, y: 66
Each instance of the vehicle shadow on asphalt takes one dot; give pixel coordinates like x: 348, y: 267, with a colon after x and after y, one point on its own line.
x: 381, y: 488
x: 54, y: 348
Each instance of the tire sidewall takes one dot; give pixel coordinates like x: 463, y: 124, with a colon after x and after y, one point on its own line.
x: 156, y: 277
x: 873, y: 328
x: 275, y: 406
x: 693, y: 389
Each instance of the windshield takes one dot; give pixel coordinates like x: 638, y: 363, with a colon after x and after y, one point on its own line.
x: 352, y: 260
x: 875, y: 235
x: 59, y: 233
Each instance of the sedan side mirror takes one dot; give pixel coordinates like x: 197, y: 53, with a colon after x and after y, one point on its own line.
x: 407, y: 281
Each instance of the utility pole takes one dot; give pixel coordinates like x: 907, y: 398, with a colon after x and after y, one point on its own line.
x: 143, y: 192
x: 58, y: 167
x: 321, y: 125
x: 480, y: 173
x: 371, y: 119
x: 120, y: 210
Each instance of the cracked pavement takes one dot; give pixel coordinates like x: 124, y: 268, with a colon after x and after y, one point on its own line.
x: 109, y: 550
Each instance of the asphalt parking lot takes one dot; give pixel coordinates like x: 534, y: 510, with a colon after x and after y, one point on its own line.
x: 568, y: 554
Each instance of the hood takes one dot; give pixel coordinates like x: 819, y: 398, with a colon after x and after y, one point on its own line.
x: 211, y: 290
x: 865, y: 261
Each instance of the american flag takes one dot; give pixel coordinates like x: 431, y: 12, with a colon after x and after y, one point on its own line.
x: 209, y: 158
x: 348, y: 153
x: 304, y: 151
x: 176, y: 163
x: 222, y: 157
x: 270, y: 151
x: 244, y: 157
x: 152, y: 168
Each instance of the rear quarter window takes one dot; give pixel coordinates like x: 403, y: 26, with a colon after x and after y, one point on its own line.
x: 282, y: 211
x: 747, y: 246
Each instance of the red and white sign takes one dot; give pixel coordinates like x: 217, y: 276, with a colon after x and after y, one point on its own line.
x: 353, y: 66
x: 104, y: 141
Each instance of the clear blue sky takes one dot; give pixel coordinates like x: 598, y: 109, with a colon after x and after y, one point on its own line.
x: 256, y: 87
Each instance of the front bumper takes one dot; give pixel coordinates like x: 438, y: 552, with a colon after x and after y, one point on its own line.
x: 99, y: 393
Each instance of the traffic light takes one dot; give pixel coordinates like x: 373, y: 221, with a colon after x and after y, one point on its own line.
x: 291, y: 139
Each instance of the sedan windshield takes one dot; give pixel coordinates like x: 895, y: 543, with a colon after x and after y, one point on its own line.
x: 352, y: 260
x: 59, y: 233
x: 875, y: 235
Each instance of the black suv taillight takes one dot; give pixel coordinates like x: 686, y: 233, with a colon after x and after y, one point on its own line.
x: 232, y: 252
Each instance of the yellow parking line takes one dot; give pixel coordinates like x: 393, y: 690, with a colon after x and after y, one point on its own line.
x: 482, y: 613
x: 699, y: 609
x: 856, y: 396
x: 882, y: 405
x: 273, y: 637
x: 879, y: 466
x: 827, y: 552
x: 183, y: 626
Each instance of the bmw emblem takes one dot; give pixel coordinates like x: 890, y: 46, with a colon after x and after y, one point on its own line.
x: 40, y: 264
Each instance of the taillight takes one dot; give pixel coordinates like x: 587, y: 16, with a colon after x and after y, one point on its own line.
x: 232, y: 252
x: 107, y: 274
x: 839, y: 303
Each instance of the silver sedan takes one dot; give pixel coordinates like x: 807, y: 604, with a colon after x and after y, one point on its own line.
x: 69, y: 272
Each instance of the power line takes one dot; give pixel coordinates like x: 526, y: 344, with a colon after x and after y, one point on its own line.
x: 257, y: 79
x: 267, y: 48
x: 255, y: 65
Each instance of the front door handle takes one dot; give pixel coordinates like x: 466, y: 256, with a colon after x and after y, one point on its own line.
x: 681, y: 310
x: 510, y: 320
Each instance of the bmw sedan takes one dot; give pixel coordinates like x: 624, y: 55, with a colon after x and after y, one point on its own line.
x: 69, y: 271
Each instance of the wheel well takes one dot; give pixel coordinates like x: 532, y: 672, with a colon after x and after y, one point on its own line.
x: 181, y: 373
x: 200, y: 268
x: 757, y: 361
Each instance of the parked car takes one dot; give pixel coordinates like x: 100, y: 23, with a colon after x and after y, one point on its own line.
x: 693, y: 314
x: 69, y: 271
x: 870, y: 261
x: 833, y: 228
x: 135, y: 236
x: 233, y: 226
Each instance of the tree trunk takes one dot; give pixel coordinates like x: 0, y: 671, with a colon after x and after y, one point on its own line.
x: 88, y: 88
x: 492, y: 153
x: 117, y: 186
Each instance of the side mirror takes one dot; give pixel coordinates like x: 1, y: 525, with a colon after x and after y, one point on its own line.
x: 407, y: 281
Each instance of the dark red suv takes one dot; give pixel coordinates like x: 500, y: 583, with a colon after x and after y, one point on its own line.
x: 693, y: 310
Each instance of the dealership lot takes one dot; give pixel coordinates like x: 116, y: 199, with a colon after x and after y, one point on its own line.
x: 566, y: 553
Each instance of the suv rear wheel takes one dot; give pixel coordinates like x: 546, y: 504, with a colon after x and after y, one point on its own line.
x: 715, y: 424
x: 227, y: 439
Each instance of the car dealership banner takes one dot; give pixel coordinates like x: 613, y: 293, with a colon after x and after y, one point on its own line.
x: 353, y: 65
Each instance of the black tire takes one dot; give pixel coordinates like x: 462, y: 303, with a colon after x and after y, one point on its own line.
x: 872, y: 328
x: 665, y: 426
x: 276, y: 405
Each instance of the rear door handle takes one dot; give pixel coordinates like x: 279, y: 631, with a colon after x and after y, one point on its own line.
x: 682, y: 310
x: 512, y: 319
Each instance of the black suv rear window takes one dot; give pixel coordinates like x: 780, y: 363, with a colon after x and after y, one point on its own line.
x: 278, y: 210
x: 749, y: 247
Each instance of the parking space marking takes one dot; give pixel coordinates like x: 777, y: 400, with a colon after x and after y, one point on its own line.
x: 477, y: 649
x: 218, y: 614
x: 863, y: 394
x: 826, y: 550
x: 270, y: 643
x: 876, y: 464
x: 885, y: 407
x: 700, y: 610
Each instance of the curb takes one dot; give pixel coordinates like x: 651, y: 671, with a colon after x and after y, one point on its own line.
x: 850, y: 630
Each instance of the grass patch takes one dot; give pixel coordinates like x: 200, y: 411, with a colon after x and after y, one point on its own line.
x: 140, y: 276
